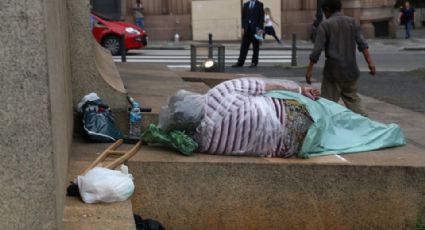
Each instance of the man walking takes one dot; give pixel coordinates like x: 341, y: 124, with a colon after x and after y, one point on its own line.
x: 252, y: 22
x: 407, y: 18
x: 338, y: 36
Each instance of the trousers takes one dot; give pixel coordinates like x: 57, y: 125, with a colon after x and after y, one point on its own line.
x: 247, y: 39
x: 334, y: 90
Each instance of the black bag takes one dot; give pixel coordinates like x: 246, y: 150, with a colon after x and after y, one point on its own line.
x: 98, y: 122
x: 148, y: 224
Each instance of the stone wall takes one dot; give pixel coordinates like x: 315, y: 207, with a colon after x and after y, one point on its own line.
x: 296, y: 17
x: 370, y: 13
x: 164, y: 27
x: 85, y: 75
x: 35, y: 118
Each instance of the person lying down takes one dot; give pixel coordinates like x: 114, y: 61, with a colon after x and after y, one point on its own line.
x: 263, y: 117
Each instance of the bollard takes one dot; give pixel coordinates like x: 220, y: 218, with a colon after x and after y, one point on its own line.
x: 210, y: 49
x: 122, y: 48
x: 294, y: 50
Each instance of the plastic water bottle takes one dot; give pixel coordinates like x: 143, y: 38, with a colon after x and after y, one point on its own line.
x: 135, y: 120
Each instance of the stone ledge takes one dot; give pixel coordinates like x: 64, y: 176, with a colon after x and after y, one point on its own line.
x: 81, y: 216
x: 215, y: 192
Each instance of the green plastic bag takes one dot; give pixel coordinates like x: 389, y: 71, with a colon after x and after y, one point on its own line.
x: 175, y: 139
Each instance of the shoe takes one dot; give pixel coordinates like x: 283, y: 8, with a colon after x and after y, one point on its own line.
x: 237, y: 65
x: 253, y: 65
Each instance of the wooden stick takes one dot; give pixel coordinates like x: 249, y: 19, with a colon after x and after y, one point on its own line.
x: 103, y: 156
x: 125, y: 157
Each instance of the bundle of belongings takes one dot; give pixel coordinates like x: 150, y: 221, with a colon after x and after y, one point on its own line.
x: 273, y: 118
x: 98, y: 122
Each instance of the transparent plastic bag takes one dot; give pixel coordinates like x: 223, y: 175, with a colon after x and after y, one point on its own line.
x: 105, y: 185
x: 183, y: 112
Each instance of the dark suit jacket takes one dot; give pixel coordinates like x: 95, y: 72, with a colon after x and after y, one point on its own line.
x: 252, y: 18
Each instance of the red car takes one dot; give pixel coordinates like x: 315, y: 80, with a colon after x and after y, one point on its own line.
x: 108, y: 34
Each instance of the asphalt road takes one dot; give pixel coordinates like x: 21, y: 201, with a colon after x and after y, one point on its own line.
x: 385, y: 60
x: 405, y: 89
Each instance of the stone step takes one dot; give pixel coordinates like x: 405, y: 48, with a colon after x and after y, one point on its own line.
x: 357, y: 191
x: 81, y: 216
x: 373, y: 190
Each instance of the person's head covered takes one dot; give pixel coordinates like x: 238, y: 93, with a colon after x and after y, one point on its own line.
x: 184, y: 112
x: 330, y: 7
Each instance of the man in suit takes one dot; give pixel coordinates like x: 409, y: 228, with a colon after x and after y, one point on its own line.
x: 252, y: 21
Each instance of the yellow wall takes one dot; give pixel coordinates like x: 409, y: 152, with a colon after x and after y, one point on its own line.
x: 222, y: 18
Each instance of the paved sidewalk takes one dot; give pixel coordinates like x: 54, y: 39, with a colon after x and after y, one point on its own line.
x: 416, y: 43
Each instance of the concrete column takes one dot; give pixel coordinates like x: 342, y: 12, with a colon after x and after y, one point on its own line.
x: 85, y: 74
x: 35, y: 115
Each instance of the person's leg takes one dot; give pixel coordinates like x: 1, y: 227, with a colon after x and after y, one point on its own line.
x: 273, y: 33
x: 351, y: 98
x: 409, y: 28
x: 142, y: 23
x: 330, y: 89
x: 244, y: 49
x: 265, y: 32
x: 256, y: 50
x: 138, y: 23
x: 407, y: 32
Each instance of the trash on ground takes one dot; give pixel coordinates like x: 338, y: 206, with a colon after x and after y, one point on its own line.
x: 99, y: 182
x: 105, y: 185
x: 98, y: 122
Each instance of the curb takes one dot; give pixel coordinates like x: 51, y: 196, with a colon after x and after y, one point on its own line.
x: 228, y: 48
x: 166, y: 48
x: 413, y: 48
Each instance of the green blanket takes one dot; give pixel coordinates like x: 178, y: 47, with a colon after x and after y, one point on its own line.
x: 337, y: 130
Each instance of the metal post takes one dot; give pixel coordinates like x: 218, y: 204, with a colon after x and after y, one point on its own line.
x: 294, y: 50
x: 210, y: 48
x: 193, y: 58
x: 123, y: 49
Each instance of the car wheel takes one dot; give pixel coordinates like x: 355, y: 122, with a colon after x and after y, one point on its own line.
x: 112, y: 43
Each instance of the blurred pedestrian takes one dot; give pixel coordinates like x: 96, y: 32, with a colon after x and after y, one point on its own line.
x: 92, y: 19
x: 139, y: 14
x: 407, y: 18
x: 268, y: 27
x: 252, y: 23
x: 338, y: 36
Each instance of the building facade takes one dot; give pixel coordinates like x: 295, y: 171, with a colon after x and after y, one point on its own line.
x: 164, y: 18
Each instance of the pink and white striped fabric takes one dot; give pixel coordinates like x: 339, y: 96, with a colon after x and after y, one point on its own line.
x: 239, y: 120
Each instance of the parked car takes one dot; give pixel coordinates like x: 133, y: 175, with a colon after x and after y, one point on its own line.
x: 108, y: 34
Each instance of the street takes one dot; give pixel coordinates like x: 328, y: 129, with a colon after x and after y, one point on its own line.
x: 400, y: 79
x: 181, y: 58
x: 386, y: 57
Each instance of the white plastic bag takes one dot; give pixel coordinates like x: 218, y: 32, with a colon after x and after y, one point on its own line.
x: 105, y: 185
